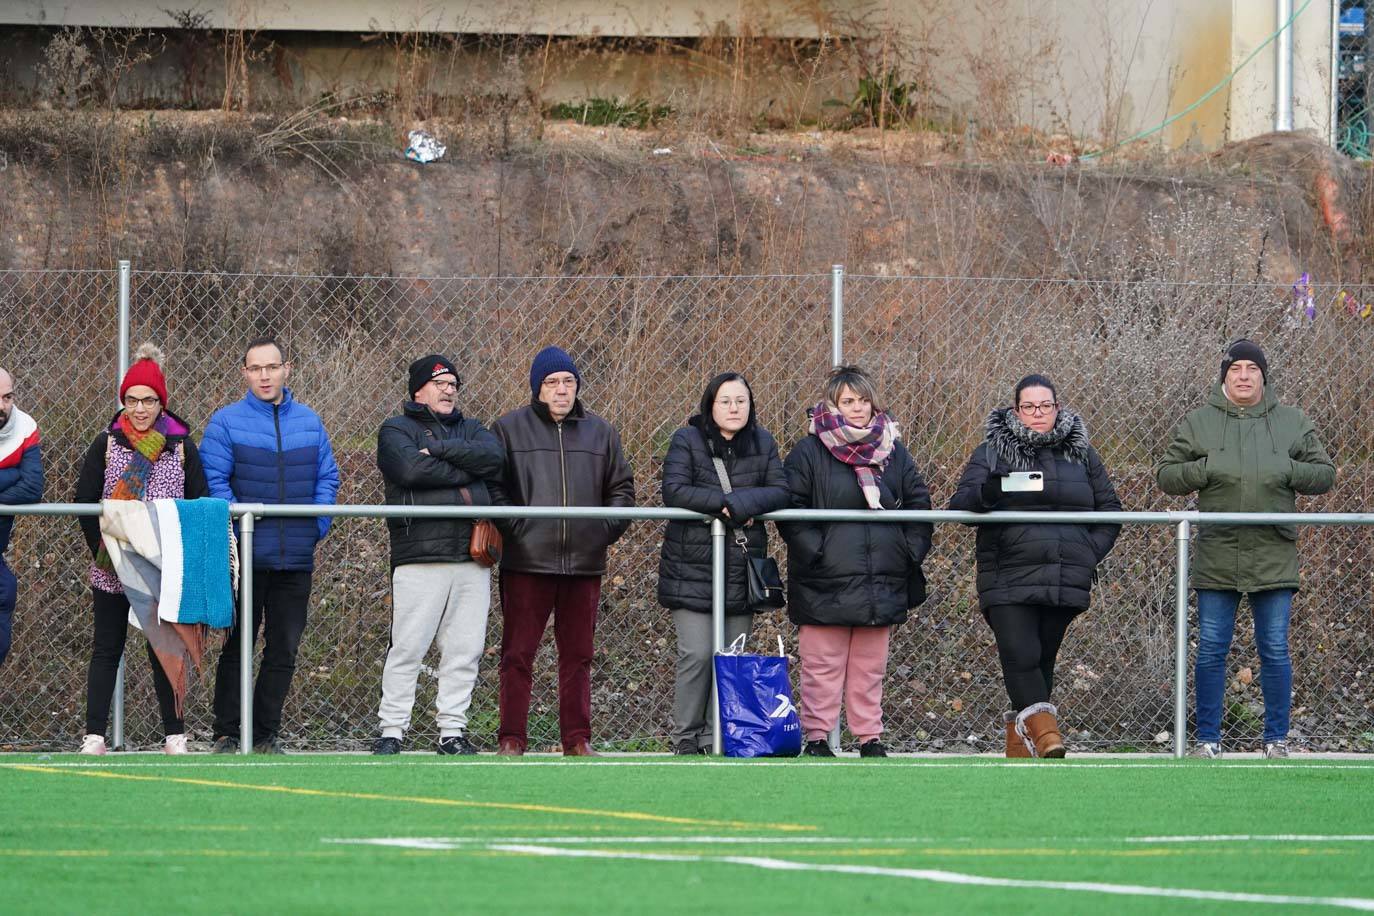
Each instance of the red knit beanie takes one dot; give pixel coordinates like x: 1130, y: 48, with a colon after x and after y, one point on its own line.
x: 146, y: 371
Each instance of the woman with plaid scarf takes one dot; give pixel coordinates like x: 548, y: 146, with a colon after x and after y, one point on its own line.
x: 146, y: 453
x: 850, y: 582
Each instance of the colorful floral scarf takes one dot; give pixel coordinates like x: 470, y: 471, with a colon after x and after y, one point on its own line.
x: 133, y: 482
x: 867, y: 449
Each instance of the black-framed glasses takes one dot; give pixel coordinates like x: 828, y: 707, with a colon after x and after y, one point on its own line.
x: 1037, y: 409
x: 444, y: 386
x: 269, y: 368
x: 131, y: 402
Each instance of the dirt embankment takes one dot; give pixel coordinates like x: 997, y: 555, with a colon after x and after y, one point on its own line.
x: 204, y: 191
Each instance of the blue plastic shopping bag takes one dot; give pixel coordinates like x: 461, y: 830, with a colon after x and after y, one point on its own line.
x: 757, y: 717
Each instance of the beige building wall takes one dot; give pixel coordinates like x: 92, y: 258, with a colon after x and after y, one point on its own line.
x: 784, y: 18
x: 1103, y: 70
x: 1252, y: 98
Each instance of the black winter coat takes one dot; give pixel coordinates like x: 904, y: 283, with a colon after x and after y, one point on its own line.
x: 578, y: 462
x: 462, y: 455
x: 758, y: 485
x: 1039, y: 564
x: 853, y: 573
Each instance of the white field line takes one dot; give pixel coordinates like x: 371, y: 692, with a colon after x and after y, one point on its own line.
x: 938, y: 876
x: 159, y: 760
x: 440, y: 842
x: 1257, y: 838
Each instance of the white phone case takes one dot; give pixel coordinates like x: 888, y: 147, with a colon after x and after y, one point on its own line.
x: 1023, y: 482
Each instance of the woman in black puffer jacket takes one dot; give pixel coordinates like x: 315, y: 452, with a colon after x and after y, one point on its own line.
x: 850, y: 582
x: 725, y: 429
x: 1033, y: 579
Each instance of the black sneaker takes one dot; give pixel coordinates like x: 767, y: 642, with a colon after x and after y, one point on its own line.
x: 456, y: 745
x: 689, y: 748
x: 872, y: 748
x: 269, y: 745
x: 385, y: 747
x: 817, y: 749
x: 225, y: 745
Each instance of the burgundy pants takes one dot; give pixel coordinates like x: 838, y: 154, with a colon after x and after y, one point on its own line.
x: 527, y: 599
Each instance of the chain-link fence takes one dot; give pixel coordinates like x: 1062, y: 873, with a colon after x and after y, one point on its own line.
x: 1131, y: 356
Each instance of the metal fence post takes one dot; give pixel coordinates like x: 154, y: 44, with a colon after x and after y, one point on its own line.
x: 717, y: 623
x: 837, y: 315
x: 117, y: 714
x: 1181, y: 642
x: 246, y: 634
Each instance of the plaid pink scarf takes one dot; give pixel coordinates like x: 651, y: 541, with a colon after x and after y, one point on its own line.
x: 866, y: 449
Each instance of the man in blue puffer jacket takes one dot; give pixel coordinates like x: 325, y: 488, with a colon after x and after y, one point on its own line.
x: 269, y: 448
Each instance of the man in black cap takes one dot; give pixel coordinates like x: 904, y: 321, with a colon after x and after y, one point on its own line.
x: 1243, y: 451
x: 431, y: 455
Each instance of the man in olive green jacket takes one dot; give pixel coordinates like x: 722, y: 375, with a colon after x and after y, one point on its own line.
x: 1245, y: 452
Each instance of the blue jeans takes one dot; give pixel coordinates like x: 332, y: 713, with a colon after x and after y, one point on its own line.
x: 1216, y: 614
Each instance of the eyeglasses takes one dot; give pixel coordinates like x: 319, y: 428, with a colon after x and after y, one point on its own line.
x: 132, y: 402
x: 444, y: 386
x: 1037, y: 409
x: 270, y: 369
x: 735, y: 402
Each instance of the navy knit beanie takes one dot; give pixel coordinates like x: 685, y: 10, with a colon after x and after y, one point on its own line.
x: 1245, y: 349
x: 548, y: 361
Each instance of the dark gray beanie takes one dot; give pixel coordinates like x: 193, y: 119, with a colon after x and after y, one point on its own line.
x: 1245, y: 349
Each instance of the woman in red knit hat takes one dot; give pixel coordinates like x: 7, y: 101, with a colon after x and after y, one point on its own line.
x: 146, y: 453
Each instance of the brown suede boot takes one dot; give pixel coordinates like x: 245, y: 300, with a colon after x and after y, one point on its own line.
x: 1016, y: 745
x: 1037, y: 722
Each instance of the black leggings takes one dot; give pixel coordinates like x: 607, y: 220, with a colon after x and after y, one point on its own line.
x: 107, y: 645
x: 1028, y: 639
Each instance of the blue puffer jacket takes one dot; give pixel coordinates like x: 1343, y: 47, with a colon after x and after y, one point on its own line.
x: 256, y: 452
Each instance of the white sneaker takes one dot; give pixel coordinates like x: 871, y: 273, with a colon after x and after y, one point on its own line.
x: 1276, y: 750
x: 175, y: 744
x: 93, y: 745
x: 1207, y: 750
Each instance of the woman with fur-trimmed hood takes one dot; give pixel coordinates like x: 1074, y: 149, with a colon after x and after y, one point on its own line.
x: 1033, y: 579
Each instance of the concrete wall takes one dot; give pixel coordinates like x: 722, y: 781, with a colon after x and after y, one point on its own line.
x: 784, y: 18
x: 1252, y: 96
x: 1103, y: 70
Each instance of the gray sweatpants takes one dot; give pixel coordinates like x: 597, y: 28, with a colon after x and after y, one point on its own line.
x: 428, y: 600
x: 695, y: 664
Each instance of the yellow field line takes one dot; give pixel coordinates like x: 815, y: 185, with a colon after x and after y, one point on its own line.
x: 419, y: 799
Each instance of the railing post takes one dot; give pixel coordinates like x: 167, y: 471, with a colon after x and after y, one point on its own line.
x: 246, y: 634
x: 1181, y: 641
x: 837, y: 315
x: 717, y: 624
x: 122, y: 320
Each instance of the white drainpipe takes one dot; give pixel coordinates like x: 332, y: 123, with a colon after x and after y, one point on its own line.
x: 1283, y: 70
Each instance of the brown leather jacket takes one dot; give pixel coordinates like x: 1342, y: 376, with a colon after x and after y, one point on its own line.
x: 578, y: 462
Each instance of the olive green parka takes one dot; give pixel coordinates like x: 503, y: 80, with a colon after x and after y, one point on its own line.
x: 1245, y: 459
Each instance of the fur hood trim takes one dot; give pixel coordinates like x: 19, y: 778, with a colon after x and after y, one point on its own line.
x: 1014, y: 444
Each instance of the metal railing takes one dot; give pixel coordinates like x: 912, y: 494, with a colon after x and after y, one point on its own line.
x: 1183, y: 523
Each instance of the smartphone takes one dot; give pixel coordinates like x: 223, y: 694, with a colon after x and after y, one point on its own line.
x: 1023, y: 482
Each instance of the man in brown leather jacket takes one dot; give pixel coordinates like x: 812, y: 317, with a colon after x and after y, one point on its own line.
x: 557, y: 454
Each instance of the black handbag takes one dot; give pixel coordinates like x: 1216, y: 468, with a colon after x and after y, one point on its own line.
x: 760, y: 573
x: 765, y: 582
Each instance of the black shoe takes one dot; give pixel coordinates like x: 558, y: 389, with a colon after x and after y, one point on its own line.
x: 872, y: 748
x: 225, y: 745
x: 817, y: 749
x: 269, y: 745
x: 385, y: 747
x: 689, y: 748
x: 456, y: 745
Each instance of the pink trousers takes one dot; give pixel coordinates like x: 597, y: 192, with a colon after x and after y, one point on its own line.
x: 848, y: 662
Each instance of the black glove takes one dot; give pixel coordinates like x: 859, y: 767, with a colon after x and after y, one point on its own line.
x: 992, y: 487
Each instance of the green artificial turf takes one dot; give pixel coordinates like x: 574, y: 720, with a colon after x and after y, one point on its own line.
x: 133, y: 833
